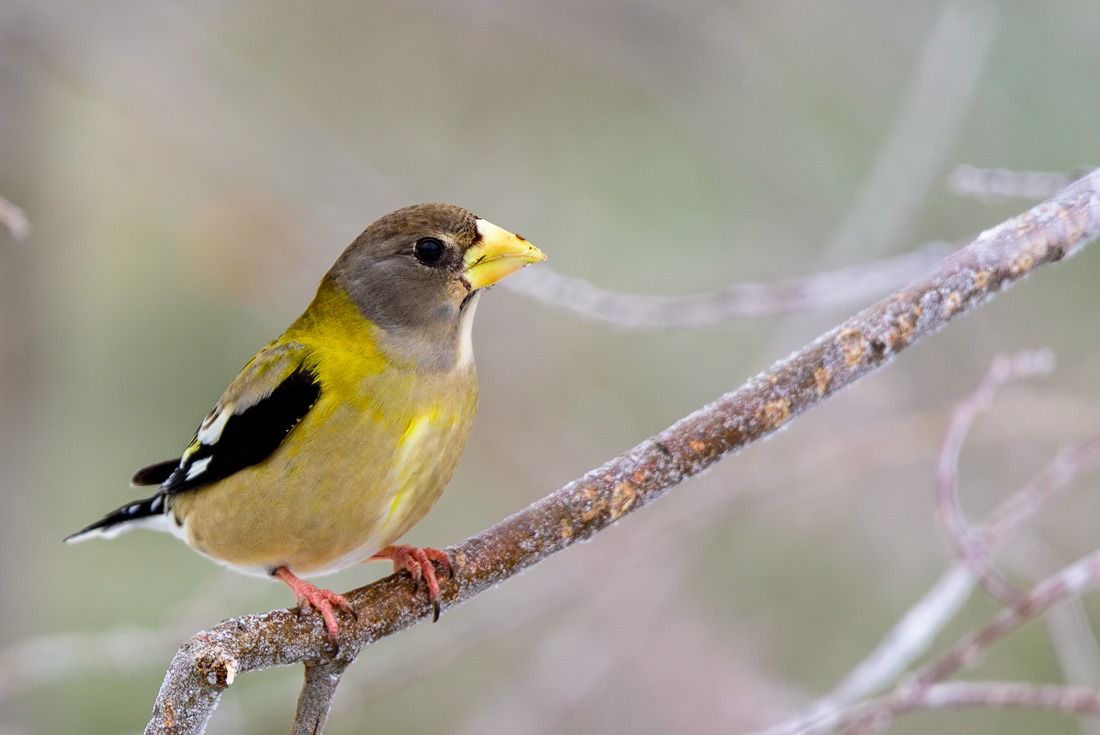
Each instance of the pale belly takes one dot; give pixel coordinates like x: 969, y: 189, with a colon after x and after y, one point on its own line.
x: 372, y: 481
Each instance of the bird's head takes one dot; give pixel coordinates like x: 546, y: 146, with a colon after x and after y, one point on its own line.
x: 417, y: 272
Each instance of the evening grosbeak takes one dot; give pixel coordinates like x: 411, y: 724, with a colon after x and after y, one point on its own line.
x: 338, y: 436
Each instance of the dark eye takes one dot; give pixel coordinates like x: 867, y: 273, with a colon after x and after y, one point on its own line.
x: 428, y: 250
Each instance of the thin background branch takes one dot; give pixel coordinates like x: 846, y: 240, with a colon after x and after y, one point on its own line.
x: 927, y: 122
x: 14, y: 219
x: 914, y: 634
x: 969, y: 548
x: 996, y: 185
x: 737, y: 301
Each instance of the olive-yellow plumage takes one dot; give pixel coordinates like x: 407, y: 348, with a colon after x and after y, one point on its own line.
x: 340, y: 435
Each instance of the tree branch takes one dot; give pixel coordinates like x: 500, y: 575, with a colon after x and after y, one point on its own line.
x: 924, y: 689
x: 877, y: 715
x: 967, y: 546
x: 1058, y: 228
x: 736, y: 301
x: 913, y: 635
x: 996, y: 185
x: 315, y: 701
x: 13, y: 218
x: 1072, y: 580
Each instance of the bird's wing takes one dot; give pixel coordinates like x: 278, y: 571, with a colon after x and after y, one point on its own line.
x: 262, y: 405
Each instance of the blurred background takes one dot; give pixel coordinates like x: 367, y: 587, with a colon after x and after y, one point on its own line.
x: 190, y: 170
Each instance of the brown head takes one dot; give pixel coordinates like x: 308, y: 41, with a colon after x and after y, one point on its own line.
x: 417, y: 272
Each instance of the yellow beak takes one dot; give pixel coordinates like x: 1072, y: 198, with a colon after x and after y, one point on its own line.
x: 498, y: 253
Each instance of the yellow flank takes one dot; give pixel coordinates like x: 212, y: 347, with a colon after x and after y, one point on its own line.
x: 409, y: 457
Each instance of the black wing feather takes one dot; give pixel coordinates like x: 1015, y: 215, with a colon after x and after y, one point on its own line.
x: 155, y: 474
x: 249, y: 437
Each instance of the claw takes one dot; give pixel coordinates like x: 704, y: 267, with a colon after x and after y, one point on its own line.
x: 308, y: 596
x: 418, y: 563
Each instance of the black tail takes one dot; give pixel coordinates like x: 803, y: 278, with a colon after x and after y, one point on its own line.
x: 121, y: 520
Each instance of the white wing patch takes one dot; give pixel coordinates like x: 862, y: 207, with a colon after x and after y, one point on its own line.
x: 211, y: 429
x: 198, y: 468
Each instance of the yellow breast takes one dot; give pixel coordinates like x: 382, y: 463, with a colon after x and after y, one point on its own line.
x: 364, y: 465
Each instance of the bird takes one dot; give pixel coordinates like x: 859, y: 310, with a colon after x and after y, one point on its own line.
x: 339, y: 435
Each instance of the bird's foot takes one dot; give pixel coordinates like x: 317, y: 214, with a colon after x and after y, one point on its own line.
x: 418, y: 562
x: 309, y: 596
